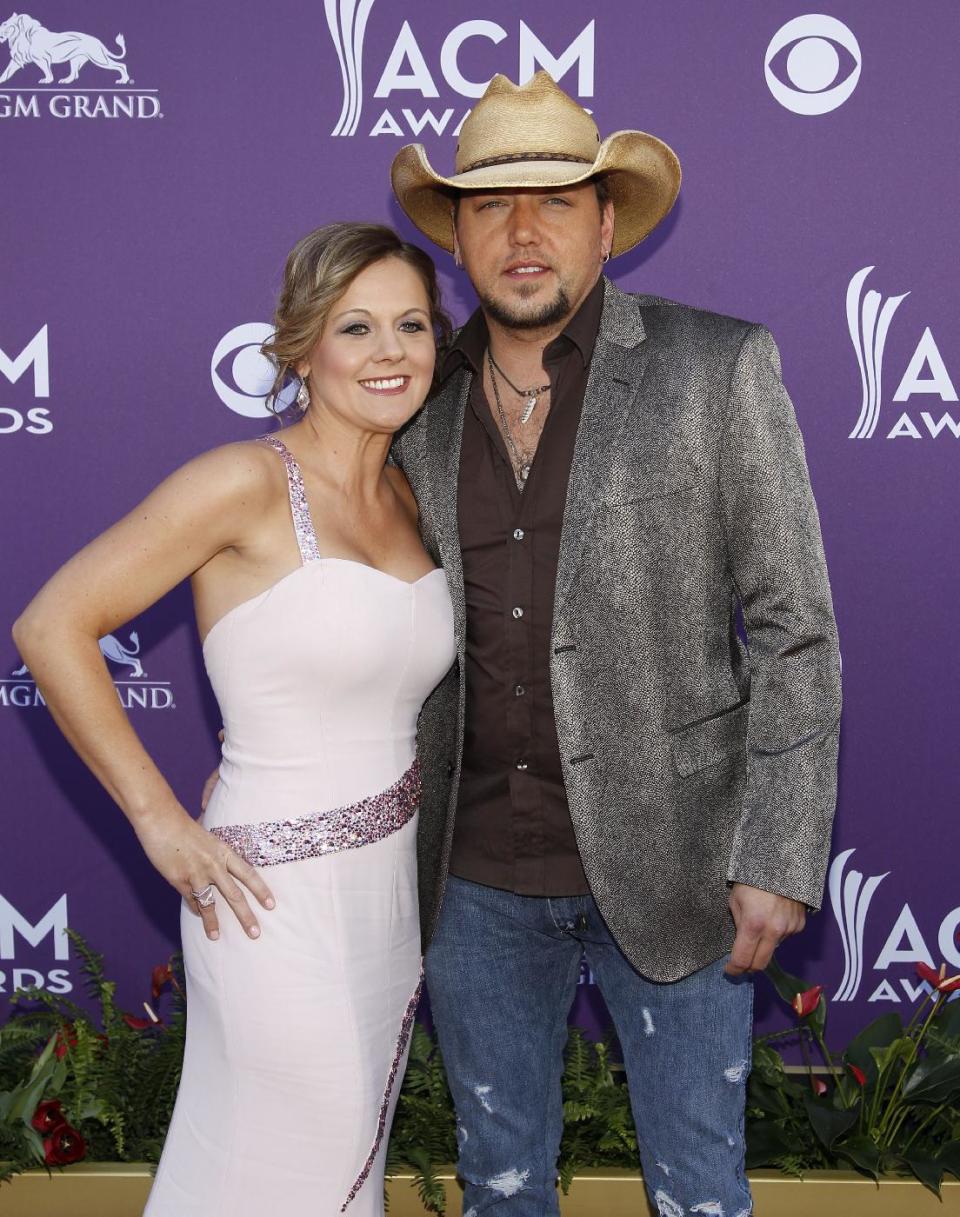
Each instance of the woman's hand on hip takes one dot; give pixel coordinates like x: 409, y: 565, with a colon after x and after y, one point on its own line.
x: 192, y: 859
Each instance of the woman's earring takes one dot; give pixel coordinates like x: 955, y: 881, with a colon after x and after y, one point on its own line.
x: 303, y: 394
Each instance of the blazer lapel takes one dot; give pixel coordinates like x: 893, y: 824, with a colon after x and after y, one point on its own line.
x: 616, y: 374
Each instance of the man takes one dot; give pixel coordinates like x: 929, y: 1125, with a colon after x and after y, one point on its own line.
x: 609, y: 772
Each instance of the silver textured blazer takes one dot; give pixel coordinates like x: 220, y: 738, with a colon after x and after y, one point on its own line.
x: 690, y: 761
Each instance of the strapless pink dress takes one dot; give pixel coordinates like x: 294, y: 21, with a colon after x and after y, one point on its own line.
x: 296, y: 1042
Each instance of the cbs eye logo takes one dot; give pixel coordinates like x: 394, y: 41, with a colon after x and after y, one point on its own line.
x: 822, y: 65
x: 242, y: 376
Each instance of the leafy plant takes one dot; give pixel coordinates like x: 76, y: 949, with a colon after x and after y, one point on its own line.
x: 114, y: 1080
x: 598, y: 1126
x: 20, y: 1143
x: 890, y: 1104
x: 424, y: 1126
x: 71, y: 1083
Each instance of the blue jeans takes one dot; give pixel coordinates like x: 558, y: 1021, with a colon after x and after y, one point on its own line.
x: 502, y: 973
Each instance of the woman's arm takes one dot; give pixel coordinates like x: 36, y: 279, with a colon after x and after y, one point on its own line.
x: 213, y: 504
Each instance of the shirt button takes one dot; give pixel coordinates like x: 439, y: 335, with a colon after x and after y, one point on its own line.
x: 519, y: 691
x: 518, y: 612
x: 521, y: 764
x: 518, y: 534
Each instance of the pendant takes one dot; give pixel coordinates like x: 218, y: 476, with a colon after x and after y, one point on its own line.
x: 528, y: 409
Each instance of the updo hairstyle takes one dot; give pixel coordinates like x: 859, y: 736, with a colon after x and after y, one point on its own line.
x: 319, y: 270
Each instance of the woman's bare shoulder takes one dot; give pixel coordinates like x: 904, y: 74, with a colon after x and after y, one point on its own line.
x: 237, y: 475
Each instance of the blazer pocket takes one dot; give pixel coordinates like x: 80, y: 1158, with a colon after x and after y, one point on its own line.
x: 661, y: 487
x: 709, y: 742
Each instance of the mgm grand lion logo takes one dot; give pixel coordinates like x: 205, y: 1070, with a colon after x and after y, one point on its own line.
x: 30, y: 42
x: 134, y: 689
x: 113, y: 649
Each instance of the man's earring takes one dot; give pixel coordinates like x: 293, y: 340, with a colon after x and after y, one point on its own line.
x: 606, y: 256
x: 303, y: 394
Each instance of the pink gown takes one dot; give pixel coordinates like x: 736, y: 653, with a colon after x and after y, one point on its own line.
x: 296, y: 1042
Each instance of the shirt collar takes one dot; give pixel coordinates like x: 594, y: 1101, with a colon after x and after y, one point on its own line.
x: 580, y: 333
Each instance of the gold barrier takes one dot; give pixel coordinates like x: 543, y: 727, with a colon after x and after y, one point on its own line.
x: 120, y: 1190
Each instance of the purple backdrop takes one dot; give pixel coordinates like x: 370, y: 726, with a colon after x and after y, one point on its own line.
x: 146, y: 221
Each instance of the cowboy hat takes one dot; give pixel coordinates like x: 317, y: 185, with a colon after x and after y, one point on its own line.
x: 534, y: 135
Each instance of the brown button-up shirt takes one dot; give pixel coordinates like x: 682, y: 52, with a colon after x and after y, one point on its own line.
x: 513, y: 829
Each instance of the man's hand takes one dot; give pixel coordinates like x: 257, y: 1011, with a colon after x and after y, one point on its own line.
x: 211, y: 783
x: 763, y: 920
x: 208, y: 788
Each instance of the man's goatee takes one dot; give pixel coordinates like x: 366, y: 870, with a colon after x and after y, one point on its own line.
x: 549, y: 314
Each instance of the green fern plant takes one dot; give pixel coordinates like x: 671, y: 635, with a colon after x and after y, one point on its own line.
x: 424, y: 1135
x: 114, y: 1075
x: 893, y: 1105
x: 598, y: 1127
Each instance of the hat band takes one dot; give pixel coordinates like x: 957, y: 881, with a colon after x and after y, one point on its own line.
x: 524, y: 156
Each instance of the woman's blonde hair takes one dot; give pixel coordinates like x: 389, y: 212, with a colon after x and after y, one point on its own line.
x: 319, y: 270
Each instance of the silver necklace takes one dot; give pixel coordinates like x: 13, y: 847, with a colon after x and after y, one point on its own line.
x: 533, y: 394
x: 519, y: 462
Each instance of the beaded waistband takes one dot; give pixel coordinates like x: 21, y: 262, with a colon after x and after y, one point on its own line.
x: 327, y: 832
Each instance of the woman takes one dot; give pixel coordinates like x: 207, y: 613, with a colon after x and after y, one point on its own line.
x: 325, y: 626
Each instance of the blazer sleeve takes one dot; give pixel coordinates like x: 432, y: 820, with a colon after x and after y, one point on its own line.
x: 775, y: 551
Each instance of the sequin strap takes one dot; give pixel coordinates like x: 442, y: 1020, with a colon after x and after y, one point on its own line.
x: 406, y: 1026
x: 327, y: 832
x: 299, y: 509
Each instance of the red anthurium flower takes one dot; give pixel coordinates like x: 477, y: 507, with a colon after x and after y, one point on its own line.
x: 818, y: 1086
x: 63, y: 1146
x: 805, y: 1003
x: 48, y: 1116
x: 859, y: 1076
x: 161, y: 975
x: 938, y: 980
x: 137, y: 1024
x: 65, y: 1041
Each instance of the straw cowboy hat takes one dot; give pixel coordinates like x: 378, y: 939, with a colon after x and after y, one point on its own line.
x: 535, y: 135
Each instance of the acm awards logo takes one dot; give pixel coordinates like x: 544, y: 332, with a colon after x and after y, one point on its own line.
x: 869, y: 316
x: 19, y: 690
x: 35, y: 420
x: 904, y: 946
x: 407, y: 70
x: 33, y: 48
x: 822, y: 65
x: 18, y: 931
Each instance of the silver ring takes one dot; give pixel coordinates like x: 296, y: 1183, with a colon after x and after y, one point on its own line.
x: 207, y: 897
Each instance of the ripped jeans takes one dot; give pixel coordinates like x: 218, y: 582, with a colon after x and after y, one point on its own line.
x: 502, y: 973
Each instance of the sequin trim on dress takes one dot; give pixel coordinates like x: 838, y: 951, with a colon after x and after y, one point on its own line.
x: 299, y: 508
x: 405, y: 1028
x: 326, y: 832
